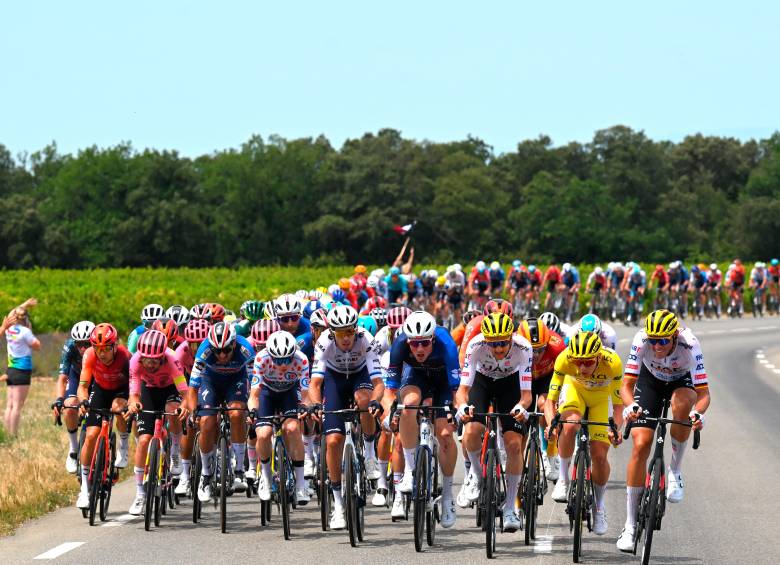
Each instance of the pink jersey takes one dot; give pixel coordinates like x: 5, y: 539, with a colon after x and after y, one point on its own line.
x: 170, y: 372
x: 185, y: 358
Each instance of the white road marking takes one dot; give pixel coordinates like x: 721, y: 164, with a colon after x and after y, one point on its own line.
x: 777, y: 371
x: 61, y: 549
x: 769, y: 366
x: 760, y: 356
x: 766, y: 327
x: 624, y: 340
x: 741, y: 330
x: 717, y: 331
x: 543, y: 544
x: 763, y: 361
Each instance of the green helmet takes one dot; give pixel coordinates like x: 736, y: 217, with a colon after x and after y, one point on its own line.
x: 252, y: 310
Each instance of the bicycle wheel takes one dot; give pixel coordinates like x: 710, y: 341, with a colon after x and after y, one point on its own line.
x: 197, y: 468
x: 284, y: 494
x: 529, y: 493
x: 151, y: 482
x: 105, y: 492
x: 432, y: 515
x: 323, y: 494
x: 223, y: 482
x: 97, y: 479
x: 650, y: 514
x: 349, y: 483
x: 579, y: 502
x: 420, y: 496
x: 159, y: 497
x: 491, y: 503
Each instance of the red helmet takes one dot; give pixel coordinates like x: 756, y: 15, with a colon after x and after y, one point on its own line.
x: 375, y: 302
x: 103, y: 334
x: 397, y: 316
x: 659, y: 268
x: 217, y: 312
x: 196, y: 330
x: 152, y: 344
x: 497, y: 305
x: 167, y: 327
x: 200, y: 312
x: 262, y: 329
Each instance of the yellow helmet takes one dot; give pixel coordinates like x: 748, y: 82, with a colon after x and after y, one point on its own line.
x: 497, y: 327
x: 441, y: 280
x: 322, y: 289
x: 268, y: 310
x: 360, y: 269
x: 584, y: 345
x: 661, y: 323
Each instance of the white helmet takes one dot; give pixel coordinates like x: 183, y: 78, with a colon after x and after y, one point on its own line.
x: 179, y: 314
x: 714, y: 266
x: 281, y: 344
x: 301, y: 294
x: 598, y: 271
x: 319, y: 318
x: 82, y: 330
x: 152, y: 312
x: 457, y: 267
x: 287, y: 304
x: 551, y: 321
x: 566, y: 267
x: 420, y: 325
x: 326, y: 299
x: 342, y: 317
x: 333, y: 288
x: 268, y: 310
x: 495, y: 265
x: 315, y: 294
x: 433, y: 274
x: 372, y: 281
x: 378, y: 273
x: 611, y: 265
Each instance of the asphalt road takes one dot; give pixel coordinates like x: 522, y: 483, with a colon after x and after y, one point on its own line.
x: 727, y: 516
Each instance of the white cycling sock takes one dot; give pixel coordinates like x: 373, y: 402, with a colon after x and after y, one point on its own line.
x: 409, y: 459
x: 382, y: 481
x: 466, y: 466
x: 678, y: 450
x: 74, y: 441
x: 476, y: 463
x: 175, y: 443
x: 206, y: 459
x: 446, y: 488
x: 124, y: 438
x: 85, y: 478
x: 368, y: 447
x: 239, y: 449
x: 598, y: 494
x: 139, y: 479
x: 564, y: 473
x: 397, y: 478
x: 308, y: 447
x: 633, y: 495
x: 512, y: 481
x: 185, y: 468
x: 265, y: 469
x: 300, y: 481
x: 338, y: 500
x: 251, y: 452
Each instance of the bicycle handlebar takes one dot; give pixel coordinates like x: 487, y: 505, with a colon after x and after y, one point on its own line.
x: 696, y: 433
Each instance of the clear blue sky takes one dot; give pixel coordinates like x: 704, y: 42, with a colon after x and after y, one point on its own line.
x: 202, y: 76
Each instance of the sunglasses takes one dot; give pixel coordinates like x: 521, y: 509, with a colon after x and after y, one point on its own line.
x: 82, y: 344
x: 289, y: 319
x: 659, y: 340
x: 282, y: 360
x: 420, y: 343
x: 344, y: 333
x: 224, y: 350
x: 584, y: 362
x: 502, y: 343
x: 104, y: 348
x: 540, y: 350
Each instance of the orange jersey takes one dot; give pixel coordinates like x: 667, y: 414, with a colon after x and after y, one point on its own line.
x: 457, y: 333
x: 109, y: 377
x: 545, y: 364
x: 472, y: 330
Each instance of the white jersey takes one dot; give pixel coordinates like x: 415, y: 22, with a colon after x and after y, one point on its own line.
x: 567, y: 332
x: 266, y: 373
x: 686, y: 358
x: 327, y: 356
x: 608, y: 334
x: 479, y: 359
x: 456, y: 278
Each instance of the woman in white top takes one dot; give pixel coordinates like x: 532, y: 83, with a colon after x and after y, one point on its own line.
x: 21, y: 343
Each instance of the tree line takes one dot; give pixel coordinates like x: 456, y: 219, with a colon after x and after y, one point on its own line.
x: 276, y: 201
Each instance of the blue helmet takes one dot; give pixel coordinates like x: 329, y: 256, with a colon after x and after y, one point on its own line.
x: 531, y: 268
x: 516, y: 263
x: 637, y: 270
x: 774, y: 262
x: 338, y: 295
x: 368, y: 323
x: 590, y: 323
x: 695, y: 268
x: 310, y: 307
x: 394, y: 271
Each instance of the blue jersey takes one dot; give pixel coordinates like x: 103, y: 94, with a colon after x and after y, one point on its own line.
x: 70, y: 358
x: 399, y: 285
x: 497, y: 275
x: 699, y: 279
x: 304, y: 327
x: 636, y: 280
x: 240, y: 364
x: 444, y: 357
x: 571, y: 278
x: 306, y: 345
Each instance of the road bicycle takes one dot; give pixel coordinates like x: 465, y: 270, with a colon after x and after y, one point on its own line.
x: 282, y: 480
x: 102, y: 472
x: 158, y: 478
x: 652, y: 503
x: 533, y: 482
x: 579, y: 497
x: 758, y: 302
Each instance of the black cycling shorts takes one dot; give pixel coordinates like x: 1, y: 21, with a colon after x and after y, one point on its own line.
x: 504, y: 393
x: 102, y: 398
x: 540, y: 386
x: 154, y: 398
x: 650, y: 393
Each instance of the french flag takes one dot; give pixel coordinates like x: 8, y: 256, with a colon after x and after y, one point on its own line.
x: 403, y: 230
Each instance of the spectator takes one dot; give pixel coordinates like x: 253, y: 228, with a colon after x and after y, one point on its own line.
x: 21, y: 342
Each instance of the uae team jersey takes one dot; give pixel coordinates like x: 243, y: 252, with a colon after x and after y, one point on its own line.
x: 686, y: 358
x: 479, y: 359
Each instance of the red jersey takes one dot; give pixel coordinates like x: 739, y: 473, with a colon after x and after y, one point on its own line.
x: 553, y: 274
x: 662, y: 276
x: 472, y: 331
x: 535, y: 278
x: 544, y: 365
x: 357, y: 283
x: 108, y: 377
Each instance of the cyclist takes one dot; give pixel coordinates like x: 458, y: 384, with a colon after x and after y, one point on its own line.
x: 679, y: 280
x: 358, y: 283
x: 659, y: 274
x: 497, y: 276
x: 547, y: 346
x: 592, y: 323
x: 552, y: 278
x: 261, y: 329
x: 373, y: 302
x: 380, y: 317
x: 346, y: 369
x: 759, y: 279
x: 714, y: 284
x: 428, y: 281
x: 397, y: 286
x: 517, y: 280
x: 587, y: 376
x: 319, y: 323
x: 479, y: 283
x: 149, y: 314
x: 634, y: 284
x: 171, y: 331
x: 221, y: 373
x: 280, y: 382
x: 382, y: 344
x: 217, y: 311
x: 596, y: 283
x: 735, y: 280
x: 68, y: 383
x: 200, y: 312
x: 179, y: 314
x: 774, y: 279
x: 156, y: 383
x: 534, y: 283
x: 474, y: 327
x: 497, y: 371
x: 250, y: 311
x: 369, y: 324
x: 665, y: 362
x: 570, y: 282
x: 195, y: 332
x: 288, y: 310
x: 616, y: 273
x: 424, y: 364
x: 108, y: 363
x: 698, y: 287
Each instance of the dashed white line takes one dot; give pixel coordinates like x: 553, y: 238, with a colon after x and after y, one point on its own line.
x: 777, y: 371
x: 766, y: 327
x: 760, y: 356
x: 769, y: 366
x: 741, y: 330
x: 61, y: 549
x: 717, y: 331
x: 543, y: 544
